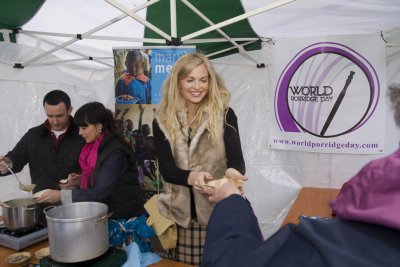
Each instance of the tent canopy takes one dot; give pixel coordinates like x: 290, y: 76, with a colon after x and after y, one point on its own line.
x: 89, y: 32
x: 204, y: 18
x: 14, y: 14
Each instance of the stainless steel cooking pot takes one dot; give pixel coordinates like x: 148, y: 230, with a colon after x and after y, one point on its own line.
x: 22, y: 214
x: 77, y: 231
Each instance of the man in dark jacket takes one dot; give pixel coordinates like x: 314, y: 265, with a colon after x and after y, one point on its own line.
x: 51, y: 149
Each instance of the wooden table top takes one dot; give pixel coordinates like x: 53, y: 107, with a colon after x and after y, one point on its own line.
x: 311, y: 201
x: 4, y: 252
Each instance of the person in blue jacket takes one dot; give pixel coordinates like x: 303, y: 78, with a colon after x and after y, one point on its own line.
x: 234, y: 239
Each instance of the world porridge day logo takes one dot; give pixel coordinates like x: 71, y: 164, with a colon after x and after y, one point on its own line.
x: 326, y: 90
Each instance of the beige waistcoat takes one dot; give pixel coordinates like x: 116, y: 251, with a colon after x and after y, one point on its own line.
x: 201, y: 155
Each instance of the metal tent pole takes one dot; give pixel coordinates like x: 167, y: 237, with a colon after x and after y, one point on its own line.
x: 138, y: 18
x: 134, y: 39
x: 125, y: 39
x: 67, y: 49
x: 201, y: 15
x: 230, y: 48
x: 6, y: 35
x: 102, y: 26
x: 236, y: 19
x: 172, y: 9
x: 60, y: 61
x: 97, y: 37
x: 55, y: 34
x: 219, y: 40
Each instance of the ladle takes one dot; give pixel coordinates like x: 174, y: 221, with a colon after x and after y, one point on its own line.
x: 4, y: 204
x: 23, y: 187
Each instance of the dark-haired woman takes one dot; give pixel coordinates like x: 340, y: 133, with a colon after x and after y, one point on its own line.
x: 109, y: 172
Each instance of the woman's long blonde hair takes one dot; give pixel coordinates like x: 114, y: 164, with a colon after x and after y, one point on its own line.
x: 215, y: 103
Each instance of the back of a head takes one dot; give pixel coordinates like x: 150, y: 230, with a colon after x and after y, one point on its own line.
x: 92, y: 113
x: 56, y: 97
x: 394, y: 95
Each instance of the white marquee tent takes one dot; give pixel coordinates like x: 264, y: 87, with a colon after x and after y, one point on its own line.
x: 275, y: 176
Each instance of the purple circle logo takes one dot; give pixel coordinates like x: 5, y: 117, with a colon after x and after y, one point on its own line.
x: 326, y: 90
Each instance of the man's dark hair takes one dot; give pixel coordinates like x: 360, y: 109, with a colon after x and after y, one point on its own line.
x: 56, y: 97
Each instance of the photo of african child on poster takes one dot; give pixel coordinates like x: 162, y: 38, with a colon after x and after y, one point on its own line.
x: 132, y: 76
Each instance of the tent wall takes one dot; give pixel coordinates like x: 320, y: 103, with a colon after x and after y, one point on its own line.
x: 22, y: 92
x: 275, y: 176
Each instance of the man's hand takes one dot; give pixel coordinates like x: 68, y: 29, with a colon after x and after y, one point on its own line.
x: 234, y: 174
x: 50, y: 196
x: 4, y: 162
x: 216, y: 194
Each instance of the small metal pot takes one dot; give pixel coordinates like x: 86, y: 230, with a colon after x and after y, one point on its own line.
x: 77, y: 231
x: 23, y: 214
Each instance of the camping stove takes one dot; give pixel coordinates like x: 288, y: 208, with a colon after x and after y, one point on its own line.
x: 18, y: 240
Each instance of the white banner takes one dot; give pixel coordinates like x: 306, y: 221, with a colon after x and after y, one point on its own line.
x: 330, y: 94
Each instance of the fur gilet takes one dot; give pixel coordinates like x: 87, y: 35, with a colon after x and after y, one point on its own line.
x: 200, y: 155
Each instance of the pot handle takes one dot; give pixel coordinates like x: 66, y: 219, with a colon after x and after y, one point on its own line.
x: 103, y: 218
x: 45, y: 210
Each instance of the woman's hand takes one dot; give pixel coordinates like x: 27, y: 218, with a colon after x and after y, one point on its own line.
x: 50, y: 196
x: 73, y: 181
x: 198, y: 179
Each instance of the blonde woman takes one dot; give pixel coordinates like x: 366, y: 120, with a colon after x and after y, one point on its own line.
x: 197, y: 140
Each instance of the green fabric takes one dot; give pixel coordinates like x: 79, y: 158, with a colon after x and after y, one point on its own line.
x: 15, y: 13
x: 188, y: 22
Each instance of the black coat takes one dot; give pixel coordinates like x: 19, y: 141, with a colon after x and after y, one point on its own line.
x: 47, y: 163
x: 115, y: 180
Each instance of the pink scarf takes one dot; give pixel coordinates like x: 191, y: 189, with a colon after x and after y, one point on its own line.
x: 87, y: 161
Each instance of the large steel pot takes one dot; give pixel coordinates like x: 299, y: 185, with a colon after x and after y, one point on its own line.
x: 22, y: 214
x: 77, y: 231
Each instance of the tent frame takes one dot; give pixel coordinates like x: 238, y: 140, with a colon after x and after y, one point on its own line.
x: 172, y: 40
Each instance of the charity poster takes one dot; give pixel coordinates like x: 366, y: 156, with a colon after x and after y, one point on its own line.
x: 329, y: 94
x: 139, y: 73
